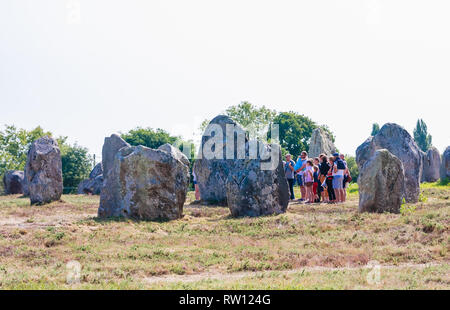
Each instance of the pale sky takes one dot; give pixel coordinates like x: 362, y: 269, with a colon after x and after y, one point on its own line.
x: 172, y: 63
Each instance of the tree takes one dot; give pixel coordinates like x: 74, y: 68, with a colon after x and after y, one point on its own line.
x: 295, y: 132
x: 76, y: 164
x: 375, y: 129
x: 255, y: 120
x: 148, y: 137
x: 352, y: 167
x: 203, y: 126
x: 421, y: 136
x: 155, y: 138
x: 14, y: 145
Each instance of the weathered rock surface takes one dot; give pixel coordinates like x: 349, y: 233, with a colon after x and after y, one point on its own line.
x: 246, y: 175
x: 26, y: 191
x: 44, y: 171
x: 111, y: 147
x: 108, y: 199
x: 93, y: 185
x: 212, y: 173
x: 445, y: 164
x: 147, y: 184
x: 175, y: 152
x: 98, y: 170
x: 431, y: 165
x: 381, y: 183
x: 13, y: 182
x: 399, y: 142
x: 253, y: 191
x: 321, y: 142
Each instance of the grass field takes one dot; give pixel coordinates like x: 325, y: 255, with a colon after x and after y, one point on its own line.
x: 309, y: 247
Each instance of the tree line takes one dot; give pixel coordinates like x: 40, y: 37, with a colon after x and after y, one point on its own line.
x: 421, y: 136
x: 295, y: 132
x: 15, y: 142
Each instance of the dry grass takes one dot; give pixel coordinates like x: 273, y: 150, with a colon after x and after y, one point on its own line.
x: 310, y: 246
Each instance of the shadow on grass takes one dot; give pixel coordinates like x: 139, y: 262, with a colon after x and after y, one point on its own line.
x: 121, y: 219
x: 321, y: 208
x: 212, y: 204
x: 14, y: 196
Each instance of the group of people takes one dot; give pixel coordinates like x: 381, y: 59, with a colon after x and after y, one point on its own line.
x: 321, y: 179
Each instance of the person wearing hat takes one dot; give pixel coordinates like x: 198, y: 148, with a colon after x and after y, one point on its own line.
x: 300, y: 167
x: 338, y: 170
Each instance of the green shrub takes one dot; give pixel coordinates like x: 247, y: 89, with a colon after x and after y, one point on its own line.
x: 422, y: 198
x: 444, y: 182
x: 407, y: 209
x: 76, y: 166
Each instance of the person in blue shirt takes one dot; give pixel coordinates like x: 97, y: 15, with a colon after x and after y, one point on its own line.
x: 300, y: 168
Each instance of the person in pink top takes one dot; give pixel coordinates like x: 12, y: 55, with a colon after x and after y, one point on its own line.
x: 309, y: 181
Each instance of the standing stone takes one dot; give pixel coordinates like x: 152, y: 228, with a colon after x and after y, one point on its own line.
x: 175, y: 152
x: 445, y: 164
x: 147, y: 184
x: 431, y: 165
x: 212, y: 172
x: 13, y: 182
x: 44, y: 171
x: 253, y: 191
x: 96, y: 171
x: 247, y: 175
x: 108, y: 198
x: 399, y: 142
x: 381, y: 183
x: 93, y: 185
x: 26, y: 191
x: 83, y: 187
x: 321, y: 142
